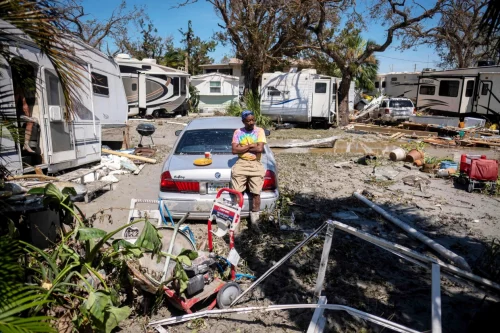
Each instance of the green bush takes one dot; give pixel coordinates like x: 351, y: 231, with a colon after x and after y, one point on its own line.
x: 250, y: 102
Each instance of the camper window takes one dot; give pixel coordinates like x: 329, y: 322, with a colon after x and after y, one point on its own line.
x: 134, y: 86
x: 377, y: 84
x: 183, y: 86
x: 427, y: 90
x: 320, y: 88
x: 271, y: 91
x: 469, y: 89
x: 394, y: 79
x: 215, y: 87
x: 448, y: 88
x: 383, y: 84
x: 100, y: 84
x: 485, y: 88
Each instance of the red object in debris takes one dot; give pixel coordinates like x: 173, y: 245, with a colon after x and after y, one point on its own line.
x: 485, y: 170
x: 466, y: 162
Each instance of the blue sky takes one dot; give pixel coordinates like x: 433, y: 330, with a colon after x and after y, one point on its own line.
x: 169, y: 20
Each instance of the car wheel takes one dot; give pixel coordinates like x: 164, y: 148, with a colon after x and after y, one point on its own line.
x: 156, y: 114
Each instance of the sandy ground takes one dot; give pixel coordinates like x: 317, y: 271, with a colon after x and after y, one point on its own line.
x: 359, y: 274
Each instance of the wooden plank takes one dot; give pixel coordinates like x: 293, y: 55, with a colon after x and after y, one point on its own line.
x: 395, y: 135
x: 139, y: 169
x: 31, y: 176
x: 479, y: 142
x: 388, y: 130
x: 132, y: 157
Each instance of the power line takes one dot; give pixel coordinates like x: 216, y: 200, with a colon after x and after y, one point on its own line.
x: 424, y: 62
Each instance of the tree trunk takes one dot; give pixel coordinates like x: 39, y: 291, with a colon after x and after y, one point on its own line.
x: 252, y: 79
x: 344, y: 98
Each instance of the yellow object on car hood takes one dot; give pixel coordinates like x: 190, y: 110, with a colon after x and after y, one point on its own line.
x: 202, y: 161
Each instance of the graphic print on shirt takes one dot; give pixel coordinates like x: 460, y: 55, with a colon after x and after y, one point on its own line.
x: 244, y: 138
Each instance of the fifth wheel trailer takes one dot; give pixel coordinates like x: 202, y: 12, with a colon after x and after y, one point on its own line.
x: 461, y: 92
x: 153, y: 89
x: 34, y: 131
x: 301, y: 97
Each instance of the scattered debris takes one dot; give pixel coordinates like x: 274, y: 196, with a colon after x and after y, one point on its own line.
x: 130, y: 156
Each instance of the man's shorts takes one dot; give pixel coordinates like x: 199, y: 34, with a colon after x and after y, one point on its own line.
x: 247, y: 172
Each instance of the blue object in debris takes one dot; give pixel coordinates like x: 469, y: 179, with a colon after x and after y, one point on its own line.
x: 449, y: 165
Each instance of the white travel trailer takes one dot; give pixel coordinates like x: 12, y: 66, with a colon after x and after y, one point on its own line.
x: 34, y: 131
x: 301, y: 97
x: 461, y: 92
x: 379, y: 85
x: 216, y: 90
x: 402, y: 84
x: 153, y: 89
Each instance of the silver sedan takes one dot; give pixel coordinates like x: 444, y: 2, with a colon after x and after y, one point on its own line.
x: 185, y: 187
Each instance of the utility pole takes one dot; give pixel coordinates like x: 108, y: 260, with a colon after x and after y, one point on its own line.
x: 415, y: 68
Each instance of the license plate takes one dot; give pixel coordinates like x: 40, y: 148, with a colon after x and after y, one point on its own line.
x: 213, y: 188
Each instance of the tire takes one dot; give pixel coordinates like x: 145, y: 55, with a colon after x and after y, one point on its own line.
x: 227, y: 294
x: 156, y: 114
x: 470, y: 187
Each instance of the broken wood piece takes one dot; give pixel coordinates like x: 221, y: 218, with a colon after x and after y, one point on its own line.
x: 132, y: 157
x: 453, y: 257
x: 32, y: 176
x: 136, y: 172
x: 308, y: 144
x: 395, y: 135
x: 340, y: 164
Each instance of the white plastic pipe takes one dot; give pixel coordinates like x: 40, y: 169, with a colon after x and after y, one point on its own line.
x: 458, y: 260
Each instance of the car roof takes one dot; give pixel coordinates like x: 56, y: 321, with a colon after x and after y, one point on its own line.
x: 399, y: 98
x: 215, y: 122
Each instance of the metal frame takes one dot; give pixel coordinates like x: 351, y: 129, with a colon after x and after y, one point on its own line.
x: 318, y: 320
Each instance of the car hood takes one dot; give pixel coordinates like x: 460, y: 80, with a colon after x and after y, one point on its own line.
x: 181, y: 167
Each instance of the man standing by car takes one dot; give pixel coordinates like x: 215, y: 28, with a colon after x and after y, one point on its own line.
x: 248, y: 143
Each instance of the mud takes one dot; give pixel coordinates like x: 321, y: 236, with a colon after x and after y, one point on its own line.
x: 359, y: 274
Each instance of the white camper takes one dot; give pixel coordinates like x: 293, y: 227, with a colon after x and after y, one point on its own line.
x: 216, y: 90
x: 461, y: 92
x: 301, y: 97
x: 153, y: 89
x: 34, y: 131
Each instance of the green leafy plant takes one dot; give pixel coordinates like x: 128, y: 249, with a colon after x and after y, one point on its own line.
x: 85, y: 272
x: 430, y: 160
x: 417, y: 145
x: 18, y: 301
x: 194, y: 98
x: 251, y: 102
x: 180, y: 278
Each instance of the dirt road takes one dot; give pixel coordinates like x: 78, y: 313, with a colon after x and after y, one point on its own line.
x: 359, y: 274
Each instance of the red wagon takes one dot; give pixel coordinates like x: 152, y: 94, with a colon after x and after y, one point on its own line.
x: 477, y: 172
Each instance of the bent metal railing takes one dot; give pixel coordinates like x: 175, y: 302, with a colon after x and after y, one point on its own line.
x: 318, y: 320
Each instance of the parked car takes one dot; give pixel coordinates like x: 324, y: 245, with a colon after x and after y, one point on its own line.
x: 185, y: 187
x: 393, y: 110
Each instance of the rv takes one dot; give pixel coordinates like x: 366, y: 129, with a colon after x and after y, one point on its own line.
x: 153, y: 89
x: 34, y: 129
x: 461, y: 92
x: 397, y: 84
x: 301, y: 97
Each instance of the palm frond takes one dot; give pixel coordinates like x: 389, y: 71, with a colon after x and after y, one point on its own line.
x: 17, y: 300
x: 38, y: 21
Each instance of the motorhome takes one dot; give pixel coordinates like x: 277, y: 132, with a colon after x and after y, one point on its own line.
x: 461, y: 92
x: 153, y: 89
x: 35, y: 131
x: 301, y: 97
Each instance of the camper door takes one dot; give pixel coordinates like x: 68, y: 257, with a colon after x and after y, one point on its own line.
x: 61, y: 141
x: 321, y: 98
x: 484, y: 96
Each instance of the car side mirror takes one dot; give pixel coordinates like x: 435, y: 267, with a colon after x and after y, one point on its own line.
x: 267, y: 132
x: 178, y: 132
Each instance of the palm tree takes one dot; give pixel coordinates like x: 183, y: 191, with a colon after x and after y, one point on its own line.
x: 40, y: 22
x: 352, y: 46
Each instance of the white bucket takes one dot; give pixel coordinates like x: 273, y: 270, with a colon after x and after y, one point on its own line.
x: 397, y: 154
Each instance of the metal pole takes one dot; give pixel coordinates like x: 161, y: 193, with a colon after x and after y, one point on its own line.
x: 324, y: 259
x: 279, y: 263
x: 436, y: 299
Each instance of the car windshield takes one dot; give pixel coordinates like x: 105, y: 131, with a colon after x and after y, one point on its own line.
x: 401, y: 104
x: 195, y: 142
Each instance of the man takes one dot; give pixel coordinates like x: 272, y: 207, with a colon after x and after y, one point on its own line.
x: 248, y: 143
